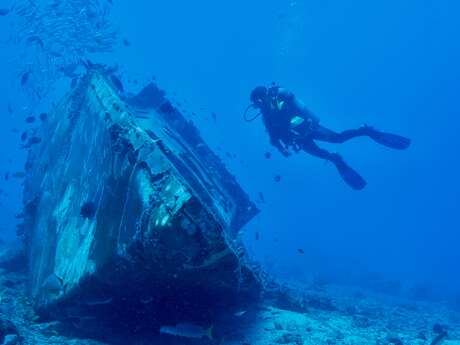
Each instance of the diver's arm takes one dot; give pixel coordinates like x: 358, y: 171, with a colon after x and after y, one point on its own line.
x: 275, y: 141
x: 279, y: 146
x: 274, y: 137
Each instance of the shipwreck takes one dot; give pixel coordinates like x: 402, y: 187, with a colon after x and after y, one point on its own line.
x: 127, y: 207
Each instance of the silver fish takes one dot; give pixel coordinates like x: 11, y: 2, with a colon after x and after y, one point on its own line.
x: 4, y: 11
x: 98, y: 302
x: 187, y: 330
x: 240, y: 313
x: 53, y: 284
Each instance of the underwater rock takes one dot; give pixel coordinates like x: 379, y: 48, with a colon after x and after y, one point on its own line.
x: 7, y: 331
x: 131, y: 209
x: 319, y: 302
x: 11, y: 339
x: 361, y: 321
x: 390, y: 340
x: 290, y: 338
x: 293, y: 298
x: 13, y: 258
x: 285, y: 298
x: 421, y: 336
x: 438, y: 328
x: 439, y: 338
x: 394, y: 340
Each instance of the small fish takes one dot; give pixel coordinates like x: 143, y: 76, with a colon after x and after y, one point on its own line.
x: 36, y: 39
x: 20, y: 229
x: 7, y: 176
x: 257, y: 235
x: 187, y: 330
x: 277, y: 178
x: 25, y: 77
x: 126, y: 43
x: 240, y: 313
x: 268, y: 155
x: 33, y: 141
x: 53, y: 284
x: 301, y: 251
x: 19, y: 215
x: 43, y: 116
x: 24, y: 136
x: 261, y: 197
x: 69, y: 70
x: 19, y: 174
x: 73, y: 82
x: 81, y: 322
x: 88, y: 210
x: 98, y: 302
x: 117, y: 83
x: 214, y: 116
x: 4, y: 11
x: 30, y: 119
x: 55, y: 54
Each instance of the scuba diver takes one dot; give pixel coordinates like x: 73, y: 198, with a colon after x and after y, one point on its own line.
x: 291, y: 125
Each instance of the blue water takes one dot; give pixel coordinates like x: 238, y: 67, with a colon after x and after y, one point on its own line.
x: 389, y: 64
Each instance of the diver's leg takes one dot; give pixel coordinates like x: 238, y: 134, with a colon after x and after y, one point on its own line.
x: 393, y: 141
x: 351, y: 177
x: 310, y: 147
x: 324, y: 134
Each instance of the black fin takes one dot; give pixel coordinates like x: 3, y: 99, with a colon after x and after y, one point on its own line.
x: 393, y: 141
x: 350, y: 176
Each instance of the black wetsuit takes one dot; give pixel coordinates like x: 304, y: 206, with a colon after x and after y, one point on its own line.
x: 290, y: 122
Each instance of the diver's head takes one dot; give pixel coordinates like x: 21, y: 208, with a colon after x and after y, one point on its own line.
x: 259, y: 96
x: 260, y: 101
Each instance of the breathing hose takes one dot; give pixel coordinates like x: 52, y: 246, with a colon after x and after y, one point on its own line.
x: 246, y: 113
